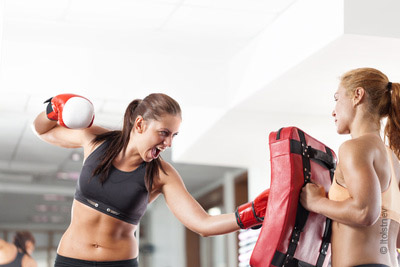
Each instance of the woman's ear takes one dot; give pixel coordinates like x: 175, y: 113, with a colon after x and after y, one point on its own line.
x: 139, y: 124
x: 359, y: 95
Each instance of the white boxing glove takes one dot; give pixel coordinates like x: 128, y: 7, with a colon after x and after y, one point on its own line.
x: 71, y: 111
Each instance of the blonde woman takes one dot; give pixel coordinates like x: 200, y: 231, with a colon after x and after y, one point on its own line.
x: 364, y: 199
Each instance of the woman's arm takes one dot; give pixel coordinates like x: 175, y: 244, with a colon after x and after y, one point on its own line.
x: 65, y: 112
x: 52, y: 133
x: 42, y: 124
x: 188, y: 210
x: 364, y: 205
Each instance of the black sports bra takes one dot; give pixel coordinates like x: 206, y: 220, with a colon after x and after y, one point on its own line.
x: 123, y: 195
x: 16, y: 262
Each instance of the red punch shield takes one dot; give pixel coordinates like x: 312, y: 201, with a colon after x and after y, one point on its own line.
x: 291, y: 235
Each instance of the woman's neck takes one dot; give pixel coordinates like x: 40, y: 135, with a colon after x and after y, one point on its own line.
x: 128, y: 158
x: 364, y: 123
x: 365, y: 130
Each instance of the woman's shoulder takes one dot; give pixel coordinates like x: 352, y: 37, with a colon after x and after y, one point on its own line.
x: 91, y: 143
x: 367, y: 141
x: 168, y: 175
x: 2, y: 243
x: 6, y: 246
x: 364, y: 148
x: 28, y: 261
x: 168, y: 168
x: 90, y: 134
x: 351, y: 146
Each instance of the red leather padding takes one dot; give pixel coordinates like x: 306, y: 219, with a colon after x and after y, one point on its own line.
x: 287, y: 179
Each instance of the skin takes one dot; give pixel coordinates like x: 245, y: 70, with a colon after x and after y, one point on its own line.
x: 364, y: 169
x: 95, y: 236
x: 8, y: 252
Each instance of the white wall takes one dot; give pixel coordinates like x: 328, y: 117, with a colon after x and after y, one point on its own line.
x: 167, y: 235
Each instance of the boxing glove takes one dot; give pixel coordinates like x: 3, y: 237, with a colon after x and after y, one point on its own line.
x: 251, y: 214
x: 71, y: 111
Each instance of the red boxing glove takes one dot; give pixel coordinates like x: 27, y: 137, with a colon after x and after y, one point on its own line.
x: 252, y: 213
x: 71, y: 111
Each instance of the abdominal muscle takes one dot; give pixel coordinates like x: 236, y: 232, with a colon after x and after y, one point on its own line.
x: 364, y: 245
x: 95, y: 236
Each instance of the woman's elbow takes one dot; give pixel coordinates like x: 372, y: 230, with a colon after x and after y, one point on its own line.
x: 204, y: 234
x: 204, y: 231
x: 42, y: 124
x: 205, y: 228
x: 35, y: 129
x: 368, y: 217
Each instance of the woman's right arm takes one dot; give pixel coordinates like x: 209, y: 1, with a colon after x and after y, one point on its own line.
x: 67, y: 122
x: 52, y: 133
x: 363, y: 206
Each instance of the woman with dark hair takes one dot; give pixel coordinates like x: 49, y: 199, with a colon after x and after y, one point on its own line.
x: 364, y: 199
x: 18, y: 254
x: 121, y: 174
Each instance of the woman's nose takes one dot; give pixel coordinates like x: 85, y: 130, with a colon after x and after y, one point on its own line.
x: 168, y: 141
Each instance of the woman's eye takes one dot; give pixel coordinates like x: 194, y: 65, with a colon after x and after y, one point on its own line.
x: 335, y: 97
x: 164, y: 133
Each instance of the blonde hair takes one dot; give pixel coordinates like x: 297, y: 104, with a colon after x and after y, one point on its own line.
x: 383, y: 99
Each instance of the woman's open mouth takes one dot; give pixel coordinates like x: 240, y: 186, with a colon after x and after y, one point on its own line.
x: 155, y: 152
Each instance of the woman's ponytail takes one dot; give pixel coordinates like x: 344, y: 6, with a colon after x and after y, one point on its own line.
x: 392, y: 128
x: 117, y: 141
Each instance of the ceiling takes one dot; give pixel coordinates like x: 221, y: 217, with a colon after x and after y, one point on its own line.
x: 111, y: 52
x: 239, y: 69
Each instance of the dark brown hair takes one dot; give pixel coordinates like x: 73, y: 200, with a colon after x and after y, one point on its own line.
x: 383, y: 99
x: 20, y: 239
x: 152, y: 107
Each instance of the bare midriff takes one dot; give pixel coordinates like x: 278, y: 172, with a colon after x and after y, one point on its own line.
x: 95, y: 236
x: 363, y: 245
x: 352, y: 245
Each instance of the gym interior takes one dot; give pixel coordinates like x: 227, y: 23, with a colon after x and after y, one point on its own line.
x: 239, y: 69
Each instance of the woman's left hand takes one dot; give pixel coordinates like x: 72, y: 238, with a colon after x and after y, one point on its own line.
x: 311, y: 193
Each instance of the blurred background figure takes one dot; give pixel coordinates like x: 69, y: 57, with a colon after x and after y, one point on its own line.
x: 18, y: 253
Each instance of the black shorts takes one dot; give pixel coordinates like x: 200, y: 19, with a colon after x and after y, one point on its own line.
x: 372, y: 265
x: 62, y: 261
